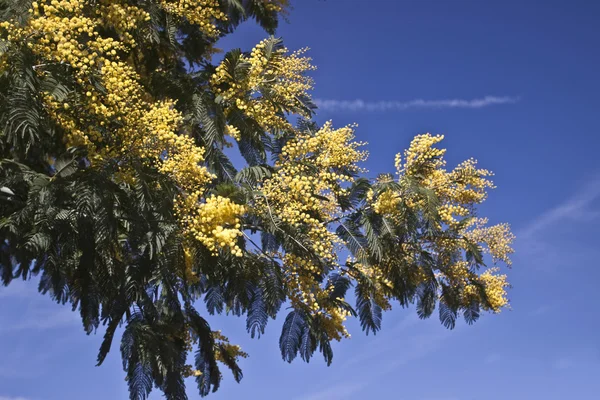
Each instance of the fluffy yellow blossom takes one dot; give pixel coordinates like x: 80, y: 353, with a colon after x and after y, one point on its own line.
x: 327, y: 148
x: 398, y: 163
x: 304, y: 196
x: 274, y: 77
x: 298, y: 194
x: 203, y: 13
x: 459, y: 272
x: 458, y: 191
x: 448, y: 211
x: 224, y: 350
x: 233, y: 132
x: 215, y: 223
x: 387, y: 203
x: 118, y: 120
x: 333, y: 323
x: 301, y: 282
x: 306, y: 293
x: 421, y: 153
x: 495, y: 289
x: 380, y: 283
x: 496, y: 239
x: 276, y: 5
x: 122, y: 17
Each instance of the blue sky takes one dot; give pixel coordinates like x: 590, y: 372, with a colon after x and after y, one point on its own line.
x: 408, y: 67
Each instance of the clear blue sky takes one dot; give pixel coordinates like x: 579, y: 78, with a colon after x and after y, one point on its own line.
x: 543, y: 145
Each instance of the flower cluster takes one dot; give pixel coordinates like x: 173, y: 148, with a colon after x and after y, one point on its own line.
x: 233, y: 132
x: 298, y: 192
x: 448, y: 212
x: 215, y: 223
x: 302, y: 194
x: 276, y: 5
x: 461, y: 277
x: 119, y: 120
x: 203, y: 13
x: 459, y: 272
x: 495, y: 289
x: 458, y: 192
x: 333, y: 322
x: 224, y: 350
x: 303, y: 288
x: 422, y: 155
x: 306, y: 293
x: 275, y: 83
x: 387, y: 203
x: 398, y: 163
x: 122, y: 17
x: 381, y: 285
x: 327, y: 148
x: 496, y: 239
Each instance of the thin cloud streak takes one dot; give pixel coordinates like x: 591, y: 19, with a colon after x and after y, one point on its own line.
x: 19, y: 289
x: 38, y: 312
x: 492, y: 358
x: 337, y: 392
x: 575, y: 208
x: 419, y: 341
x: 12, y: 398
x: 44, y: 319
x: 563, y: 363
x: 549, y: 241
x: 381, y: 106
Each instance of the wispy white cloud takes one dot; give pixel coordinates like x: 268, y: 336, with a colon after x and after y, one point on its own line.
x: 409, y: 320
x: 493, y: 358
x: 18, y: 289
x: 12, y: 398
x: 414, y: 345
x: 563, y: 363
x: 577, y: 208
x: 363, y: 105
x: 414, y: 348
x: 554, y: 240
x: 29, y: 350
x: 44, y: 319
x: 441, y: 398
x: 541, y: 310
x: 418, y: 347
x: 335, y: 392
x: 420, y: 339
x: 37, y: 312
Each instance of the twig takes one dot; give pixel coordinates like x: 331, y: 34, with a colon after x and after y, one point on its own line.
x: 259, y: 248
x: 277, y: 226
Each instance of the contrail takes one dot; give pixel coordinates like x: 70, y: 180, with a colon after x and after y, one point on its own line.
x: 380, y: 106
